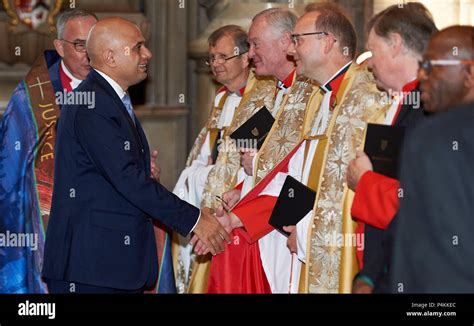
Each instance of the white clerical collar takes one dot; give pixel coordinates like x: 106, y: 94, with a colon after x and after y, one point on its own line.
x: 74, y: 81
x: 120, y: 92
x: 326, y: 84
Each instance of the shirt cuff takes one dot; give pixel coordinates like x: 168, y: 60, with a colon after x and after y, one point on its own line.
x: 302, y: 235
x: 365, y: 279
x: 197, y: 221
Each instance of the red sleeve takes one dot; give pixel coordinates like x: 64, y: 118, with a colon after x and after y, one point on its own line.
x: 255, y: 215
x: 239, y: 186
x: 376, y: 200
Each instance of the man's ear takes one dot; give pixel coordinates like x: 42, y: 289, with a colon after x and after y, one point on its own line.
x: 285, y: 41
x: 395, y: 43
x: 58, y: 45
x: 328, y: 43
x: 469, y: 81
x: 109, y: 58
x: 245, y: 60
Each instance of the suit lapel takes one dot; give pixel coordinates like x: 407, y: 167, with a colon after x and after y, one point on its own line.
x: 145, y: 147
x: 113, y: 95
x: 110, y: 91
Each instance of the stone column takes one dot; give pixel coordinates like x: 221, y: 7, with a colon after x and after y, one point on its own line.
x: 165, y: 111
x: 360, y: 13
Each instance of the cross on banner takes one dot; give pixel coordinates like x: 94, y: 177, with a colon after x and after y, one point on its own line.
x: 39, y: 84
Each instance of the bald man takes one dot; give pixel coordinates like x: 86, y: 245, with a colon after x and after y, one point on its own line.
x: 433, y: 246
x: 100, y: 235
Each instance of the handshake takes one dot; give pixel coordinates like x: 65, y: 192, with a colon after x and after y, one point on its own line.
x: 214, y: 226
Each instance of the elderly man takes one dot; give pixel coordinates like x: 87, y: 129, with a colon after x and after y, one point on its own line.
x: 100, y: 235
x: 433, y: 247
x: 230, y: 65
x: 398, y: 36
x: 269, y: 40
x: 28, y: 129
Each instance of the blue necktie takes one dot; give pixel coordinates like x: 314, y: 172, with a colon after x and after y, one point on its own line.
x: 128, y: 105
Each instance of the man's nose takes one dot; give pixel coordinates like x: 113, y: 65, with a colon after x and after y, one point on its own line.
x: 147, y: 53
x: 251, y: 52
x: 216, y: 63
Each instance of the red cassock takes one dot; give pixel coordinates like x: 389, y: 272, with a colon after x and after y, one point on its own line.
x: 239, y: 268
x: 375, y: 203
x: 376, y: 200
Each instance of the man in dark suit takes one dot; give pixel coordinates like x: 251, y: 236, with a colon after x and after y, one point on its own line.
x: 100, y: 235
x: 398, y: 37
x: 432, y: 243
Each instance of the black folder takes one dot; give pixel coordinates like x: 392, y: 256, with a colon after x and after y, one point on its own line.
x: 293, y: 203
x: 215, y: 149
x: 382, y: 145
x: 252, y: 133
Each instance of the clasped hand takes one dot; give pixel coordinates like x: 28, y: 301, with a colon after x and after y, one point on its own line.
x: 228, y: 222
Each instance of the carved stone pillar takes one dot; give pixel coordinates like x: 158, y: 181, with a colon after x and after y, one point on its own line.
x: 360, y: 13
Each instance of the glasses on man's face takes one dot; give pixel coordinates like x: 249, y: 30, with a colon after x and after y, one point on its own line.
x: 221, y: 59
x: 427, y: 65
x: 79, y: 46
x: 296, y: 37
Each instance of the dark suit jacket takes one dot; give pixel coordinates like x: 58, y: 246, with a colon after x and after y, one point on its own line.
x: 433, y: 243
x: 53, y: 60
x: 100, y: 230
x: 377, y: 247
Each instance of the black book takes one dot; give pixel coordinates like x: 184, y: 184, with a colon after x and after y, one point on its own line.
x: 252, y: 133
x: 215, y: 148
x: 293, y: 203
x: 382, y: 145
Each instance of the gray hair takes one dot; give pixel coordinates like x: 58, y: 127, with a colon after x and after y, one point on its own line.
x: 413, y: 21
x: 236, y: 32
x: 67, y: 15
x: 281, y: 19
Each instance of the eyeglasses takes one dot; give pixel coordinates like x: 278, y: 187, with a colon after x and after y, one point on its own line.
x: 427, y: 65
x: 221, y: 59
x: 295, y: 37
x: 79, y: 46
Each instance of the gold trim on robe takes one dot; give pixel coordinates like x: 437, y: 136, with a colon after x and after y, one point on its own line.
x: 331, y: 265
x: 287, y: 131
